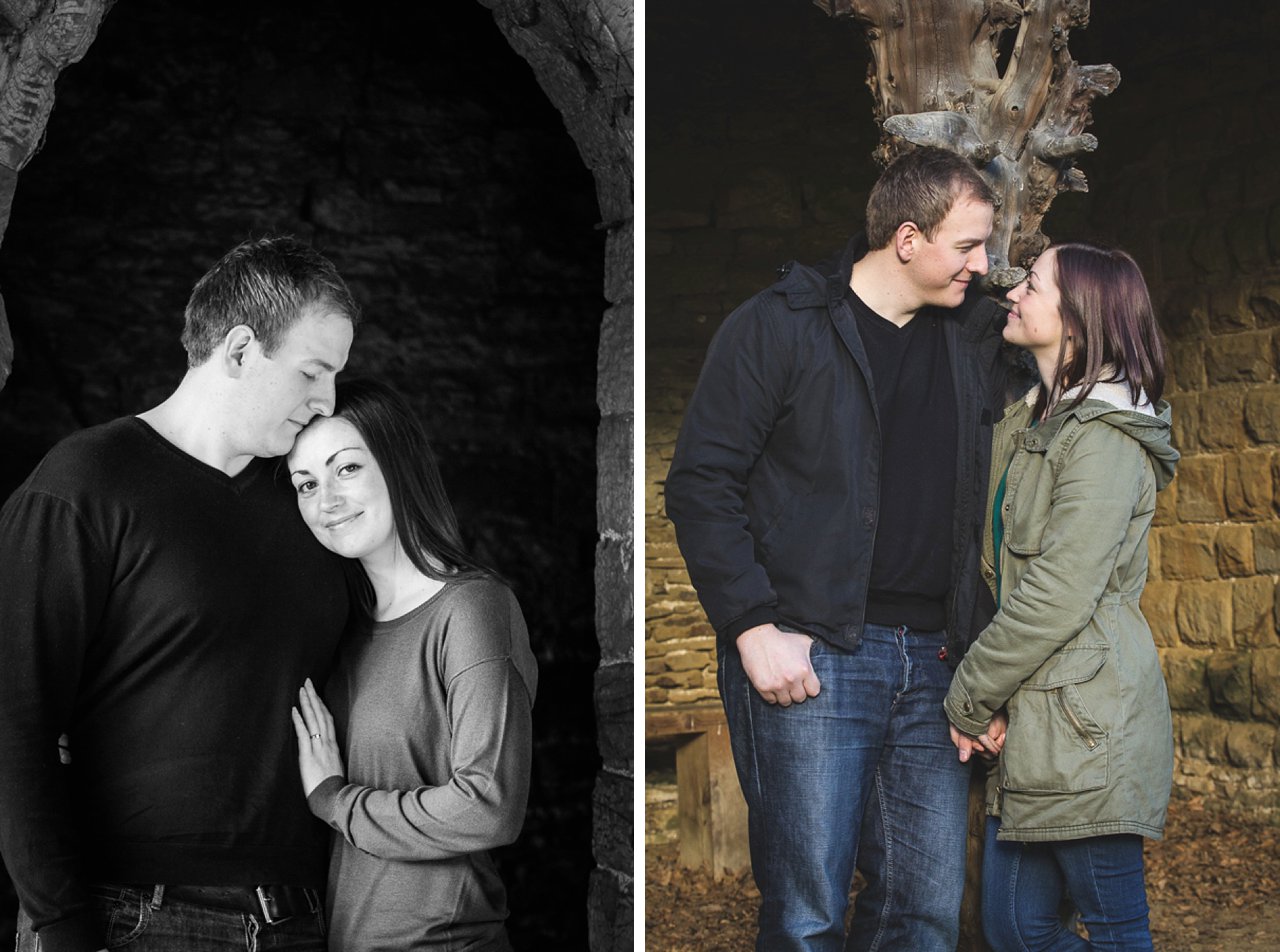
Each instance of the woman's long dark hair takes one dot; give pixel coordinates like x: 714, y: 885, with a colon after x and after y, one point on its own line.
x: 1107, y: 315
x: 423, y: 516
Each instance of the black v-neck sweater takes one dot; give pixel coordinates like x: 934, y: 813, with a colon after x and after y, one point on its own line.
x: 163, y: 614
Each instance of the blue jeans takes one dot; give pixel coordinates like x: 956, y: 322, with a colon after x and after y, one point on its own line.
x: 1024, y: 884
x: 865, y: 772
x: 142, y: 920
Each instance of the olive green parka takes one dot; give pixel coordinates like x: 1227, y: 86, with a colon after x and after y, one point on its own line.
x: 1069, y: 655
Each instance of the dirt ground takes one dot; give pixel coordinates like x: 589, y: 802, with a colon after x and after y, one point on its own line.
x: 1212, y: 884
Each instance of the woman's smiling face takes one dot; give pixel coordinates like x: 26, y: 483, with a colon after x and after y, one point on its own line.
x: 1035, y: 321
x: 342, y: 494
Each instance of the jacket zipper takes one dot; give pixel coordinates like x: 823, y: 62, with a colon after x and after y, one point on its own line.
x: 1075, y: 721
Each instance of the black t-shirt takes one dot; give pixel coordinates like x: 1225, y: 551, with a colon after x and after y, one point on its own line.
x: 915, y: 397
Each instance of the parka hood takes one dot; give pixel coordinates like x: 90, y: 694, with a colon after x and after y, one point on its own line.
x: 1111, y: 403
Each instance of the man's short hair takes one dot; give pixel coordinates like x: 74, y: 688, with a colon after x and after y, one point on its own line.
x: 921, y: 186
x: 265, y: 284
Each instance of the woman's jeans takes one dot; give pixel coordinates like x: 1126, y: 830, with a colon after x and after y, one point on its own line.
x: 865, y: 771
x: 1023, y: 885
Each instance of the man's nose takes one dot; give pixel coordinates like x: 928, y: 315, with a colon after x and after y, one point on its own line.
x: 978, y: 263
x: 321, y: 399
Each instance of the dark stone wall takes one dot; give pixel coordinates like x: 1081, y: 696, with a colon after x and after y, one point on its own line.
x: 410, y: 144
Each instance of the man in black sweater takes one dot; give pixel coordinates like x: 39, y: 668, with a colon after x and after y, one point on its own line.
x: 161, y: 601
x: 827, y: 493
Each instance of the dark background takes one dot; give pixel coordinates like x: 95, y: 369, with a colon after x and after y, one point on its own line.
x: 412, y: 146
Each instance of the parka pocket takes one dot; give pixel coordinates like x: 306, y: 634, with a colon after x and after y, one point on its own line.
x: 1054, y: 743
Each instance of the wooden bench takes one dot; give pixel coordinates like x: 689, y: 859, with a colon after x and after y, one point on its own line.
x: 711, y: 810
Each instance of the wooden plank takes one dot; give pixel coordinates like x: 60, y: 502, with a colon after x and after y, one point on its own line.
x: 712, y: 812
x: 672, y: 721
x: 729, y: 849
x: 693, y: 802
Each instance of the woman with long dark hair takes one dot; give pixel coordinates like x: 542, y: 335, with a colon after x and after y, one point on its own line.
x: 431, y: 695
x: 1068, y: 663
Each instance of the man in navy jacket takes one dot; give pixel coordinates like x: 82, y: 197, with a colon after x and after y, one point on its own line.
x: 827, y: 492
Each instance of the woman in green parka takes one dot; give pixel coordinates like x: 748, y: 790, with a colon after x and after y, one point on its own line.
x: 1065, y: 683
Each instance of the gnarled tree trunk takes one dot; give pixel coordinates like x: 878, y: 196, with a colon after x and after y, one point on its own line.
x: 993, y: 81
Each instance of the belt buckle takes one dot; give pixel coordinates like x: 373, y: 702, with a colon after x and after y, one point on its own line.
x: 268, y: 904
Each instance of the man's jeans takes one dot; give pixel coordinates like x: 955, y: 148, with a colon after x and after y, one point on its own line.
x: 865, y: 771
x: 142, y: 920
x: 1023, y: 885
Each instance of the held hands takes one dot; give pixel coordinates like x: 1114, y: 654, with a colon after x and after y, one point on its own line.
x: 777, y: 664
x: 987, y: 745
x: 318, y: 756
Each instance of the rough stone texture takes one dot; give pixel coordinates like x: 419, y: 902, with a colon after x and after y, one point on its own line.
x: 1185, y: 673
x: 1220, y: 425
x: 1266, y: 547
x: 1239, y: 358
x: 410, y: 144
x: 1159, y: 605
x: 1248, y: 486
x: 1266, y: 681
x: 1202, y: 738
x: 1234, y: 548
x: 1187, y: 186
x: 1200, y: 489
x: 614, y: 722
x: 1204, y: 613
x: 1230, y: 683
x: 1253, y: 612
x: 614, y: 384
x: 612, y: 912
x: 1187, y: 552
x: 1251, y: 745
x: 613, y: 809
x: 1262, y: 414
x: 614, y: 566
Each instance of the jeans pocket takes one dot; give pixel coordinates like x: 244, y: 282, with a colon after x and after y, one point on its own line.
x: 122, y: 914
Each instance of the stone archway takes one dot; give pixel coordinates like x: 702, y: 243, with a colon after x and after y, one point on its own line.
x: 580, y: 53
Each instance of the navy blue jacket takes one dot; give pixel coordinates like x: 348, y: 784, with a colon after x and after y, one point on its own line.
x: 775, y: 484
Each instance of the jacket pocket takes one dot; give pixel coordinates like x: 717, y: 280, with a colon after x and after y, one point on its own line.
x: 1054, y: 743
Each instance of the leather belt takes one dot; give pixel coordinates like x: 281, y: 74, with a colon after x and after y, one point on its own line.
x: 274, y: 904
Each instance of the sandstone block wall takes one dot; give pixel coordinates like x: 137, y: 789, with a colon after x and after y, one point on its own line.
x: 1186, y: 179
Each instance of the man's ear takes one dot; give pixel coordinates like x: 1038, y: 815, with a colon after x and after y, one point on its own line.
x: 907, y: 240
x: 236, y: 347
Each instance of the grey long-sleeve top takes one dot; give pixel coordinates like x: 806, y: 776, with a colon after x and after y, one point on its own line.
x: 433, y: 712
